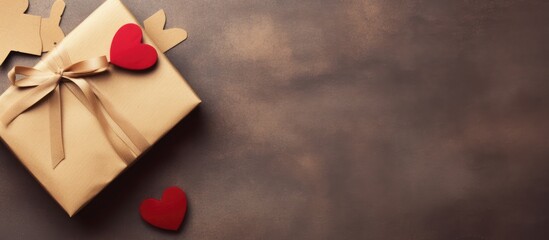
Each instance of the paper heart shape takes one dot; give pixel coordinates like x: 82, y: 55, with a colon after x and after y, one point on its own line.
x: 128, y: 51
x: 167, y: 213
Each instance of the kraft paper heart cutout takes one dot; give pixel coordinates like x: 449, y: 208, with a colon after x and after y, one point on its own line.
x: 168, y: 212
x: 128, y: 51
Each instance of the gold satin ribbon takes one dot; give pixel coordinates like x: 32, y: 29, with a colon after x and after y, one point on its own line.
x: 126, y: 140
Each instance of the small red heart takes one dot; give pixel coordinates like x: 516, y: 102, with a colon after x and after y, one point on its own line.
x: 128, y: 51
x: 167, y: 213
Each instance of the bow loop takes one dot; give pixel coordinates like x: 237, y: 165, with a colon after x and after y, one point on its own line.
x: 29, y: 77
x: 86, y: 68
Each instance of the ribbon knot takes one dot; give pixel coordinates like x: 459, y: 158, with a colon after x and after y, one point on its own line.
x: 39, y: 84
x: 60, y: 73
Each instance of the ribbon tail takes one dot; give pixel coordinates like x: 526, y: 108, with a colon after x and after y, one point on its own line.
x: 124, y: 137
x: 131, y: 131
x: 56, y: 128
x: 33, y: 97
x: 120, y: 146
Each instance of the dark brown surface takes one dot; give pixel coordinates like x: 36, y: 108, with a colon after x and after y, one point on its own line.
x: 325, y: 119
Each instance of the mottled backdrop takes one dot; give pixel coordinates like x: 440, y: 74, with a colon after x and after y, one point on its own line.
x: 332, y: 119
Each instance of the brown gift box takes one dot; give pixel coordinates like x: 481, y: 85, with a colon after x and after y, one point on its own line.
x: 153, y: 101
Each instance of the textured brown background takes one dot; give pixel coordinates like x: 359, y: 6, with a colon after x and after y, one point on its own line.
x: 325, y: 119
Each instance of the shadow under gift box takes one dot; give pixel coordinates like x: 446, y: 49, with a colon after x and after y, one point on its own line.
x: 154, y: 101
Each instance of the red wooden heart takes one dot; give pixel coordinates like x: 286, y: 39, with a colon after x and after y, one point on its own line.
x: 167, y: 213
x: 128, y: 51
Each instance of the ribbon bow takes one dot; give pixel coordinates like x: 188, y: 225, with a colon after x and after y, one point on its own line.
x: 126, y: 140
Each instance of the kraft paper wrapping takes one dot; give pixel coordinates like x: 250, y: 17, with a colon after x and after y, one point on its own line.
x: 154, y: 101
